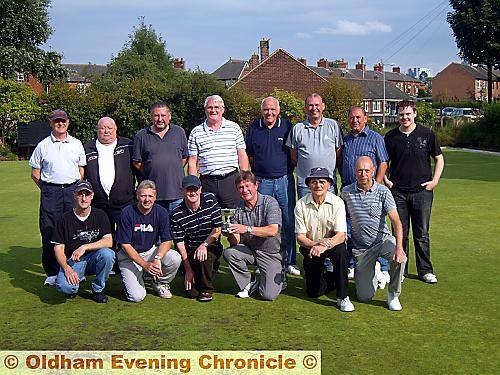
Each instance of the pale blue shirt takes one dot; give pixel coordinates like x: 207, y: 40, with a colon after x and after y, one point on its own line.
x: 59, y: 161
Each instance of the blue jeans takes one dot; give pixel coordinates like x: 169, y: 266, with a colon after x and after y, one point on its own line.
x: 283, y: 190
x: 170, y: 204
x: 415, y: 209
x: 98, y: 262
x: 302, y: 191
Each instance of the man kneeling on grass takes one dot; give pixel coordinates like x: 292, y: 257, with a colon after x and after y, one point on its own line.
x: 255, y: 239
x: 368, y: 203
x: 145, y: 239
x: 82, y: 241
x: 196, y: 227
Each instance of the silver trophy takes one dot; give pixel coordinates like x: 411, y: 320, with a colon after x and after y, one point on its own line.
x: 228, y: 218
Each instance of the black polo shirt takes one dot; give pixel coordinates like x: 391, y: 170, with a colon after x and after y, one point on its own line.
x: 271, y: 157
x: 410, y: 157
x: 193, y: 227
x: 162, y: 159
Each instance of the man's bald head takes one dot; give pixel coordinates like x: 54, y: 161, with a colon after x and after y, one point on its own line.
x: 364, y: 171
x: 106, y: 130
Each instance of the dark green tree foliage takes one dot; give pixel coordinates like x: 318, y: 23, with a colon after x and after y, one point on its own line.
x: 24, y: 26
x: 291, y: 105
x: 476, y: 27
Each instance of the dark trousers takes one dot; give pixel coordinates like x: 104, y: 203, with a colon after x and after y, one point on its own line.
x: 415, y: 209
x: 318, y: 280
x: 54, y: 201
x: 223, y: 188
x: 203, y: 271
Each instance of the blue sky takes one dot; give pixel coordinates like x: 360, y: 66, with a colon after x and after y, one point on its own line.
x: 207, y: 33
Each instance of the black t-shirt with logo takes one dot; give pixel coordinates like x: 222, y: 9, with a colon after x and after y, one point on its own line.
x: 73, y: 233
x: 410, y: 163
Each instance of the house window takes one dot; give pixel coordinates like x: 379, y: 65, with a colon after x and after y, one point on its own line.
x: 367, y: 107
x: 20, y: 77
x: 376, y: 106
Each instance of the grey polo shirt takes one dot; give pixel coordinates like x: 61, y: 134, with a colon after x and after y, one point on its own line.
x: 367, y: 212
x: 316, y: 147
x: 265, y: 212
x: 59, y: 161
x: 162, y: 159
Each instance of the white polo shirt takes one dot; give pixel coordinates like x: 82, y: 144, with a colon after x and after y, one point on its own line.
x: 57, y: 160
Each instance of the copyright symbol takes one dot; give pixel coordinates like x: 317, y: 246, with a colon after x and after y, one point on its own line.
x: 10, y: 362
x: 309, y: 362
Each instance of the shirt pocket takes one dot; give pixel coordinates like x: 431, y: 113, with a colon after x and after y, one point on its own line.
x: 376, y: 209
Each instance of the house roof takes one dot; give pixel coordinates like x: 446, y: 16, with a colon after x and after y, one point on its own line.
x: 360, y: 74
x: 231, y: 70
x: 374, y: 90
x: 478, y: 72
x: 84, y: 72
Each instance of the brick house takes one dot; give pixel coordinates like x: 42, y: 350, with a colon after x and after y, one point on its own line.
x: 463, y: 82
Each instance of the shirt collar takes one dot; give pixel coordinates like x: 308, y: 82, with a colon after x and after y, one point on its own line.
x: 307, y: 123
x: 258, y: 203
x: 277, y: 124
x: 54, y: 139
x: 373, y: 188
x: 328, y: 199
x: 207, y: 128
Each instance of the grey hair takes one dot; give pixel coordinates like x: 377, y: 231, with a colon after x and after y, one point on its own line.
x: 354, y: 107
x: 313, y: 95
x: 105, y: 118
x: 269, y: 97
x: 215, y: 98
x: 146, y: 184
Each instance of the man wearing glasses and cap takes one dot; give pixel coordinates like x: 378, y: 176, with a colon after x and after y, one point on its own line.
x: 57, y: 164
x: 82, y: 245
x: 196, y: 226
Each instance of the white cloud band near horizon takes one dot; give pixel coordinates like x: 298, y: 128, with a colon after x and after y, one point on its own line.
x: 344, y: 27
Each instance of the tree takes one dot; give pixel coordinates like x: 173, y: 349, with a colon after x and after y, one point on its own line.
x: 17, y: 104
x: 291, y: 106
x: 476, y: 27
x: 425, y: 114
x: 24, y: 26
x: 338, y: 96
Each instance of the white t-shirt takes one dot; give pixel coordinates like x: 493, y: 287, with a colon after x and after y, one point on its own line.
x: 106, y: 162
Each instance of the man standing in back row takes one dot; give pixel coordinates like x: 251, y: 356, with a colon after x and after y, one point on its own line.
x: 57, y: 164
x: 410, y: 147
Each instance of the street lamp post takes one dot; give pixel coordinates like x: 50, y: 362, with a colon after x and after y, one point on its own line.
x: 383, y: 78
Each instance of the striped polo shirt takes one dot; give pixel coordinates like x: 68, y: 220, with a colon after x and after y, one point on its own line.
x: 366, y: 143
x: 216, y: 149
x: 367, y: 211
x: 193, y: 227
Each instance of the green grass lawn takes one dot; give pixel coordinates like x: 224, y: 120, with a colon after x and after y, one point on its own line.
x: 450, y: 327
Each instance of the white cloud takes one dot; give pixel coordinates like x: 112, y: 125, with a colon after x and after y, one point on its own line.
x: 303, y: 35
x: 345, y: 27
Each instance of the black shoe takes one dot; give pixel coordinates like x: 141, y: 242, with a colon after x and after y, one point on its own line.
x: 70, y: 296
x: 99, y: 297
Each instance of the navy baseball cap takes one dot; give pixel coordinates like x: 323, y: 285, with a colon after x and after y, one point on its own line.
x: 58, y: 114
x: 319, y: 173
x: 83, y: 185
x: 191, y: 181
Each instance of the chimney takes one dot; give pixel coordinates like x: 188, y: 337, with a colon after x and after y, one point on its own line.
x: 179, y: 63
x: 254, y: 61
x: 342, y: 64
x: 264, y: 49
x: 361, y: 65
x: 323, y: 63
x: 378, y: 67
x: 396, y: 69
x: 302, y: 60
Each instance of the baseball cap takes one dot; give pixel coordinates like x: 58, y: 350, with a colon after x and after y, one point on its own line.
x: 319, y: 172
x: 83, y: 185
x: 190, y: 181
x: 58, y: 114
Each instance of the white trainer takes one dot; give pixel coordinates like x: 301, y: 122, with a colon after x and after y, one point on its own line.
x: 50, y: 280
x: 250, y: 289
x: 163, y: 291
x: 386, y: 276
x: 345, y: 304
x: 350, y: 273
x: 293, y: 270
x: 430, y: 278
x: 393, y: 302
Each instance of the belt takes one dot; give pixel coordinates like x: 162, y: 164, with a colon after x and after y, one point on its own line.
x: 59, y: 185
x: 219, y: 176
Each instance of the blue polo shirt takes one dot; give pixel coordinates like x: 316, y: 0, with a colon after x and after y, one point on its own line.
x: 366, y: 143
x: 143, y: 231
x: 271, y: 157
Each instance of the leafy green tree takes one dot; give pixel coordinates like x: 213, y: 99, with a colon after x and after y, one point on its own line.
x: 338, y: 96
x: 476, y: 27
x: 425, y: 114
x: 241, y: 107
x: 24, y: 26
x: 18, y: 103
x: 291, y: 106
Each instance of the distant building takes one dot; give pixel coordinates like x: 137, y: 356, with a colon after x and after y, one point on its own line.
x: 420, y: 73
x: 463, y: 82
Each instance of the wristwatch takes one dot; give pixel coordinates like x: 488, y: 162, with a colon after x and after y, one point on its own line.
x: 205, y: 243
x: 249, y: 229
x: 158, y: 257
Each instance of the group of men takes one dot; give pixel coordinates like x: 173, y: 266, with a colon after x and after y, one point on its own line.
x: 91, y: 214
